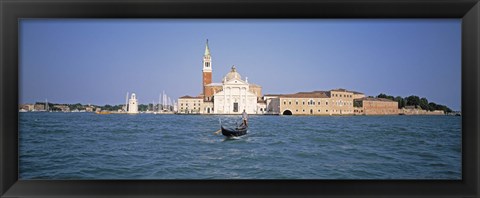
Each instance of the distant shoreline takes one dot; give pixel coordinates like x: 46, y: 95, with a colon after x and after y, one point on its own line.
x: 199, y: 114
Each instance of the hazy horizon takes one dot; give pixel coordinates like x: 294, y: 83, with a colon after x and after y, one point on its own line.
x: 97, y: 61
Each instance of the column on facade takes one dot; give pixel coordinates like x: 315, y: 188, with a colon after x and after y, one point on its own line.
x: 224, y: 99
x: 240, y: 103
x: 230, y: 103
x: 244, y: 103
x: 246, y: 99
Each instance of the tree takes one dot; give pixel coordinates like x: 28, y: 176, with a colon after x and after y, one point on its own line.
x: 142, y: 107
x: 413, y: 100
x: 401, y: 102
x: 433, y: 106
x: 382, y: 95
x: 424, y: 103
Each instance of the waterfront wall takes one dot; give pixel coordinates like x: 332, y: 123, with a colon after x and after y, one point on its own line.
x: 420, y: 112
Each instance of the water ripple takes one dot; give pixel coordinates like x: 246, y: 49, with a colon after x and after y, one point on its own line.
x: 146, y: 146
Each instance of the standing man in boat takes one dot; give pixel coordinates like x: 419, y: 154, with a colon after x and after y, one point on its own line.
x: 245, y: 118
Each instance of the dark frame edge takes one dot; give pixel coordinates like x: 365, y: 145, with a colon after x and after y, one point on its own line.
x: 2, y: 183
x: 8, y: 85
x: 8, y: 100
x: 471, y: 96
x: 10, y: 187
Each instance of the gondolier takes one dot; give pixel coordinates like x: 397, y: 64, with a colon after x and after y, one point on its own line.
x: 245, y: 118
x: 237, y: 131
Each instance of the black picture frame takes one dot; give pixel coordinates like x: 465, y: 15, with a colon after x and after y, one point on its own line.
x: 11, y: 11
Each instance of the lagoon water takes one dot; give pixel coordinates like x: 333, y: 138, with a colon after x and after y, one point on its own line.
x: 148, y: 146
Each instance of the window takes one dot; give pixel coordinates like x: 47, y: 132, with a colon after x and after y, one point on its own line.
x: 304, y: 110
x: 319, y: 110
x: 318, y: 102
x: 303, y: 102
x: 235, y: 107
x: 289, y: 102
x: 296, y: 102
x: 284, y: 102
x: 326, y: 103
x: 296, y: 110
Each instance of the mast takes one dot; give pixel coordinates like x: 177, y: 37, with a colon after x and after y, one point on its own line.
x: 159, y: 101
x: 46, y: 105
x: 169, y: 104
x: 163, y: 100
x: 126, y: 103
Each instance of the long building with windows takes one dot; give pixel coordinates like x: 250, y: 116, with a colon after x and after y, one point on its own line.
x: 333, y: 102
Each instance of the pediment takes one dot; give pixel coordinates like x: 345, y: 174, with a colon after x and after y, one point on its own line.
x: 236, y: 82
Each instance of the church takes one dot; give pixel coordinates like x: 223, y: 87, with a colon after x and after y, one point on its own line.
x: 230, y: 96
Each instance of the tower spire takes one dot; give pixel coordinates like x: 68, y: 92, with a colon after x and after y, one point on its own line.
x: 207, y: 50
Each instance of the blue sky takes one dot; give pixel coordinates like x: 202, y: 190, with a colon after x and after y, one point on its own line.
x: 98, y: 61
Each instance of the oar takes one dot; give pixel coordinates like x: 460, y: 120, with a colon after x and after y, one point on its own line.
x: 219, y: 130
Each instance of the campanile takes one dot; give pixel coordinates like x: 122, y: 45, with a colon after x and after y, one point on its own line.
x: 207, y: 68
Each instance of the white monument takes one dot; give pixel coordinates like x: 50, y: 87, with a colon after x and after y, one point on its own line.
x: 133, y: 104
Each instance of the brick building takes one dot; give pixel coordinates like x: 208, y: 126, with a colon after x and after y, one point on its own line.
x: 375, y: 106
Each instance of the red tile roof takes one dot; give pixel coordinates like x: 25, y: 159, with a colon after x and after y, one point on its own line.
x: 315, y: 94
x: 375, y: 99
x: 190, y: 97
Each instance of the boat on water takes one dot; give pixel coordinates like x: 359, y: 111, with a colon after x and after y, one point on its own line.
x: 238, y: 131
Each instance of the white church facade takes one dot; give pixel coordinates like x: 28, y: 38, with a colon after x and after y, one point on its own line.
x: 233, y: 95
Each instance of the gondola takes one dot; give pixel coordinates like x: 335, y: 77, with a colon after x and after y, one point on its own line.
x: 238, y: 131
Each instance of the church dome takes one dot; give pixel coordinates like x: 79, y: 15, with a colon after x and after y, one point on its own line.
x: 233, y: 74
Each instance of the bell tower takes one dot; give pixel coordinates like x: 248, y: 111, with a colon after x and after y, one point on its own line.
x: 207, y: 69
